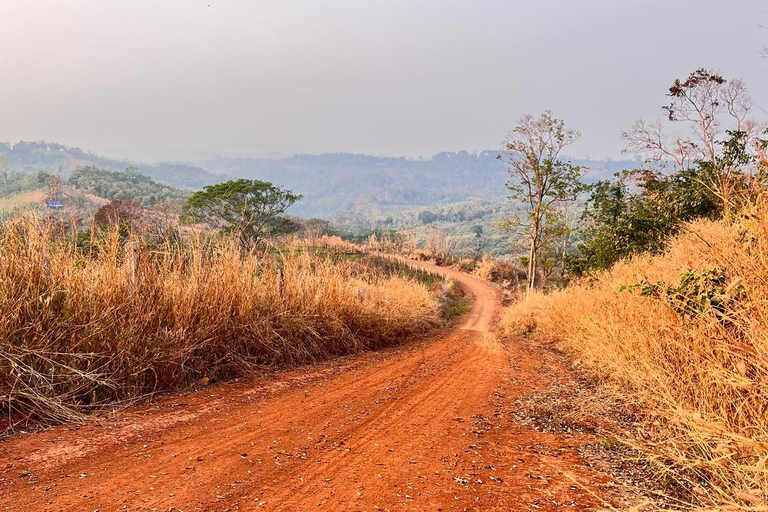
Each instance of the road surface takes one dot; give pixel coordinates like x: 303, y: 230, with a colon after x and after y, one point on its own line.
x: 428, y: 425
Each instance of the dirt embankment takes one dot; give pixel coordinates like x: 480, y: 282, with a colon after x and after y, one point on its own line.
x: 429, y: 425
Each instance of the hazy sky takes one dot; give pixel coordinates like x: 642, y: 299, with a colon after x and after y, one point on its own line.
x: 172, y: 78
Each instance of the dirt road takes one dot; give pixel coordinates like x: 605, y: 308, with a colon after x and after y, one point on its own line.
x: 425, y: 426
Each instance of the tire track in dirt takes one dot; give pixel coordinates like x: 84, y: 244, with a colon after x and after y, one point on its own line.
x: 424, y: 426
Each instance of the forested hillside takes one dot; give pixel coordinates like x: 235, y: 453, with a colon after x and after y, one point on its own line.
x: 460, y: 193
x: 332, y: 183
x: 336, y: 183
x: 124, y: 185
x: 52, y: 157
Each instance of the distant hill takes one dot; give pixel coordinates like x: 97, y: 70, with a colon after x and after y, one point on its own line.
x: 52, y: 157
x: 357, y: 192
x: 337, y: 183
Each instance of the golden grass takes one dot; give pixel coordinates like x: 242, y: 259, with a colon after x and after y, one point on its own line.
x: 76, y: 333
x: 700, y: 380
x: 22, y: 199
x: 325, y: 242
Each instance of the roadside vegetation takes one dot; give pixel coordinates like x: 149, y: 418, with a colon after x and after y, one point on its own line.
x: 681, y: 338
x: 653, y: 282
x: 667, y: 297
x: 92, y: 320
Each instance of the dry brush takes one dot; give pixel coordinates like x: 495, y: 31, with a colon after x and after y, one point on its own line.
x: 81, y: 328
x: 683, y: 337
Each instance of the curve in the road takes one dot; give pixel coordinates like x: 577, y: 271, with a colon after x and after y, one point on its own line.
x: 425, y: 426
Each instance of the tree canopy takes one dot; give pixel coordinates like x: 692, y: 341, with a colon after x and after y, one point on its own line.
x: 540, y: 180
x: 246, y: 208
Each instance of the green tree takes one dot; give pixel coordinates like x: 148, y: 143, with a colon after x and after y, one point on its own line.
x: 247, y: 208
x: 539, y: 179
x: 622, y: 220
x: 619, y: 223
x: 427, y: 217
x: 706, y: 170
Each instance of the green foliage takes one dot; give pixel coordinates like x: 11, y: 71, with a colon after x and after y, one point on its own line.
x: 378, y: 234
x: 619, y: 224
x: 622, y: 221
x: 454, y: 307
x: 428, y: 217
x: 247, y: 208
x: 124, y: 185
x: 698, y: 292
x: 93, y: 243
x: 277, y: 226
x: 15, y: 182
x: 457, y: 214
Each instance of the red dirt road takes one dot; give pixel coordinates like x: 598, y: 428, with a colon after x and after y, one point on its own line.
x: 424, y: 426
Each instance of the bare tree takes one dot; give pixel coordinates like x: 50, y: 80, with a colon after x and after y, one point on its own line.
x: 409, y: 240
x: 715, y: 140
x: 438, y: 244
x: 538, y: 178
x: 706, y: 106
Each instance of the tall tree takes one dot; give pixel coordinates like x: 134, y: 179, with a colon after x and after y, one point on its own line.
x: 714, y: 134
x: 539, y: 179
x: 247, y: 208
x: 702, y: 161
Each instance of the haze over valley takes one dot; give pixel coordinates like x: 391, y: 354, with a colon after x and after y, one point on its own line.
x: 383, y: 255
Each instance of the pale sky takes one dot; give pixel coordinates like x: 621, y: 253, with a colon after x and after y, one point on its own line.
x: 168, y: 79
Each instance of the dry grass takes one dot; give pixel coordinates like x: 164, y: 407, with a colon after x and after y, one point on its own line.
x: 698, y: 376
x: 20, y: 200
x: 78, y: 332
x: 324, y: 241
x: 496, y: 271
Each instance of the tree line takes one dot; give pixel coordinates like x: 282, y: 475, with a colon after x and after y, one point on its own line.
x: 702, y: 159
x: 129, y: 184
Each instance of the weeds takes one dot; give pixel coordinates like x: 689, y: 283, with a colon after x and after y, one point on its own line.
x: 453, y: 302
x: 80, y: 330
x: 692, y: 355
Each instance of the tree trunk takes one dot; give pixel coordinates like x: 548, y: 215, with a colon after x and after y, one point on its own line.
x: 532, y: 260
x: 566, y: 232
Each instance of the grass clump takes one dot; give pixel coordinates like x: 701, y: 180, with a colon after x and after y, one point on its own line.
x: 82, y: 329
x: 684, y: 337
x: 453, y: 301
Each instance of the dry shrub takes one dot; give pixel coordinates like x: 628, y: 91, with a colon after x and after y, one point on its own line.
x: 78, y: 331
x: 498, y: 272
x: 418, y: 255
x: 521, y: 318
x: 118, y: 212
x: 326, y: 241
x: 695, y: 365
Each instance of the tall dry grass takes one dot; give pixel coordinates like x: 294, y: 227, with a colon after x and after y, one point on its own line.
x: 78, y: 330
x: 695, y: 365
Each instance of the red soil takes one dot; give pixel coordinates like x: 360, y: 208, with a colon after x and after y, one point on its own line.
x: 424, y: 426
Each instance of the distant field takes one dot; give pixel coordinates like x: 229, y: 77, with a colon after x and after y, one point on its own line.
x: 23, y: 199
